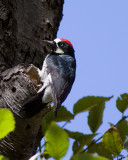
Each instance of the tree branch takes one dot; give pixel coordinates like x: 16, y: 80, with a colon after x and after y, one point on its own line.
x: 23, y: 26
x: 16, y: 87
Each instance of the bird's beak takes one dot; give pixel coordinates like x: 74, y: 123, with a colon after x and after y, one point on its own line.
x: 52, y: 43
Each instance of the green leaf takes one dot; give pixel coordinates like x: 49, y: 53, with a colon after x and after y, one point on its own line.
x: 87, y: 156
x: 85, y: 138
x: 122, y: 102
x: 80, y: 140
x: 62, y: 115
x: 7, y: 122
x: 45, y: 155
x: 112, y: 141
x: 74, y: 135
x: 56, y: 141
x: 3, y: 158
x: 47, y: 120
x: 100, y: 150
x: 84, y: 104
x: 96, y: 114
x: 123, y: 129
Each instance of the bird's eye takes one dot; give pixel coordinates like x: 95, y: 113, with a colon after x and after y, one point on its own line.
x: 60, y: 44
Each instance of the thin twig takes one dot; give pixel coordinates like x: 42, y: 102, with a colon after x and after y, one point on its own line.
x: 65, y: 124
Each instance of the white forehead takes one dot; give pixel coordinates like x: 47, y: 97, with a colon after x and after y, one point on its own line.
x: 57, y: 40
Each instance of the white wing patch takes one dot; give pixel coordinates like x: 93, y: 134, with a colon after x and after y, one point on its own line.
x: 49, y: 77
x: 42, y: 72
x: 47, y: 97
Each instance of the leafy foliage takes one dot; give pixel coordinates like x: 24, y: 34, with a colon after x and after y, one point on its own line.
x: 62, y: 115
x: 3, y: 158
x: 7, y: 125
x: 7, y: 122
x: 122, y: 102
x: 86, y: 146
x: 56, y: 141
x: 87, y: 156
x: 84, y: 104
x: 123, y: 129
x: 100, y: 150
x: 96, y: 113
x: 112, y: 141
x: 80, y: 140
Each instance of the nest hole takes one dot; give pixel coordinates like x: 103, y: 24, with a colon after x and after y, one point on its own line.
x: 13, y: 89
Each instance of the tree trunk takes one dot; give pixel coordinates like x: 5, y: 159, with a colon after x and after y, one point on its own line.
x: 23, y: 26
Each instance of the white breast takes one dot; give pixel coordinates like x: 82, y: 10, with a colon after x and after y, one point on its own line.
x: 46, y: 80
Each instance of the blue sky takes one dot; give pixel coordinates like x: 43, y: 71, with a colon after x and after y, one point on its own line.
x: 98, y: 30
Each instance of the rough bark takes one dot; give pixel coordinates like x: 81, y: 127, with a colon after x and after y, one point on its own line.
x: 23, y: 26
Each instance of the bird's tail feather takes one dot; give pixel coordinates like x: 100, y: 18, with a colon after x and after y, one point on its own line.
x: 33, y: 106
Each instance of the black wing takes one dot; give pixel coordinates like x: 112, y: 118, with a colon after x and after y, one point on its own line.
x: 60, y: 85
x: 33, y: 106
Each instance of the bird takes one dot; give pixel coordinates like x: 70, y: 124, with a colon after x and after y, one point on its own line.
x: 57, y: 76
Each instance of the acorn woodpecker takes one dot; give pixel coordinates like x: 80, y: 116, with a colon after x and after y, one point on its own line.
x: 57, y: 76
